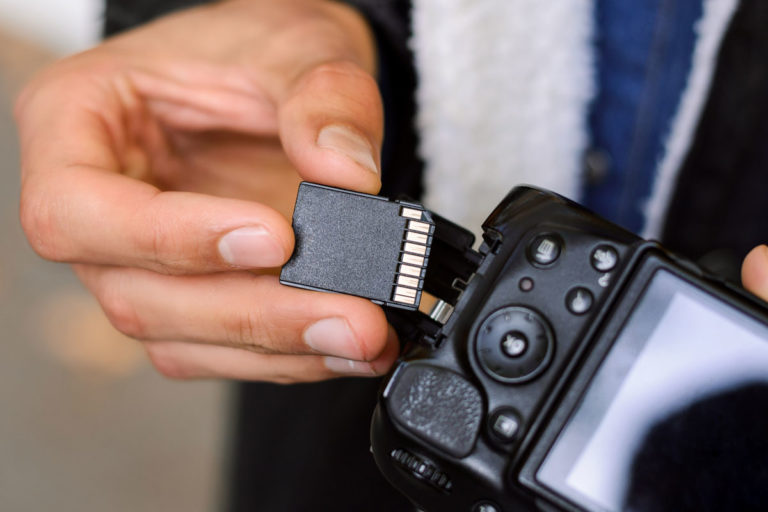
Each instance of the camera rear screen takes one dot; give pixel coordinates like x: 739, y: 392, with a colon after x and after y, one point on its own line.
x: 679, y: 405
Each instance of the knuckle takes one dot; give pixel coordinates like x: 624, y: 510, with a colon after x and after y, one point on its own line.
x: 162, y: 247
x: 20, y: 104
x: 289, y: 375
x: 159, y: 248
x: 38, y: 222
x: 348, y: 92
x: 327, y: 75
x: 333, y: 69
x: 248, y: 330
x: 49, y: 86
x: 355, y: 88
x: 122, y: 314
x: 167, y: 363
x: 286, y: 380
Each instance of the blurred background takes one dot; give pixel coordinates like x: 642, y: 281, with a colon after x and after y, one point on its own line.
x: 86, y: 424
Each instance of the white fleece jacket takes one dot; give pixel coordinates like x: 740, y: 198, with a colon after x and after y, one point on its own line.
x: 503, y: 97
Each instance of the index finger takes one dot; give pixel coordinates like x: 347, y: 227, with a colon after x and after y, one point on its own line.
x: 76, y: 207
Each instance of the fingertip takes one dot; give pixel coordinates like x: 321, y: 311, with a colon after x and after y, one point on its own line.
x: 390, y: 353
x: 265, y: 245
x: 331, y: 126
x: 349, y: 146
x: 331, y: 167
x: 344, y: 326
x: 754, y: 271
x: 275, y: 223
x: 373, y: 368
x: 370, y: 326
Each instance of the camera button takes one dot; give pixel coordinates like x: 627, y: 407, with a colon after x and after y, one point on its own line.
x: 485, y: 506
x: 579, y: 300
x: 505, y: 425
x: 514, y: 344
x: 545, y: 249
x: 604, y: 258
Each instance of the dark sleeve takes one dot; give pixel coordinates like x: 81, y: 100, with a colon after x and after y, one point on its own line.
x: 717, y: 213
x: 401, y: 166
x: 121, y: 15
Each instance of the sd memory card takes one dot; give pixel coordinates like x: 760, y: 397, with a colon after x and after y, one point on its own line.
x: 359, y: 244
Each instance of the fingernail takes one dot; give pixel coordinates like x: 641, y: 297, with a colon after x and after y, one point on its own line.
x: 345, y: 141
x: 349, y: 367
x: 333, y: 336
x: 251, y: 247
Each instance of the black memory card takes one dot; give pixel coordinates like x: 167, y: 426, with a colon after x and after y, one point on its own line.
x: 359, y: 244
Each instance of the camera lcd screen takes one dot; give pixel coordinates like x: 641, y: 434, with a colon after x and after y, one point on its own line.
x: 679, y: 399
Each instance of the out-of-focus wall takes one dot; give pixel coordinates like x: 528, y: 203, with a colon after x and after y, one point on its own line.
x: 62, y: 26
x: 86, y: 424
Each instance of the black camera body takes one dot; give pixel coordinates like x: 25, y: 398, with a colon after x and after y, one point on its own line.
x: 494, y: 406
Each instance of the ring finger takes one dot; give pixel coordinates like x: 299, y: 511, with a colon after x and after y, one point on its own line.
x: 182, y: 360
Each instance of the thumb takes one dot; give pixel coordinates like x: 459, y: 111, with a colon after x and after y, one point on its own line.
x: 331, y: 124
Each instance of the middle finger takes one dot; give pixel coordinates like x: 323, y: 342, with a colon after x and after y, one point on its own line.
x: 237, y: 309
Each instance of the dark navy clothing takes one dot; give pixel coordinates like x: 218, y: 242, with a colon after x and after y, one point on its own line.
x: 643, y: 53
x: 718, y: 209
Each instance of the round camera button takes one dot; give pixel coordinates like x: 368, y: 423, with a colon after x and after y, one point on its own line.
x: 485, y: 506
x: 545, y: 249
x: 505, y: 425
x: 514, y: 344
x: 604, y: 258
x: 579, y: 300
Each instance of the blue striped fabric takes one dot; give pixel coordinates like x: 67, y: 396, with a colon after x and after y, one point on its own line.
x: 643, y: 54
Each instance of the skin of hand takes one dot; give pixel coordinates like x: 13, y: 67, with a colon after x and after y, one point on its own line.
x: 163, y: 165
x: 754, y: 272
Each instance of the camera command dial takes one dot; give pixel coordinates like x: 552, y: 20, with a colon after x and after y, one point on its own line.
x: 514, y: 344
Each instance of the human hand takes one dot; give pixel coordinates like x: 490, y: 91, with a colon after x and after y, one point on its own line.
x: 163, y: 165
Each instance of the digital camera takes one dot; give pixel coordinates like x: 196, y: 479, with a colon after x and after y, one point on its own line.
x: 570, y: 365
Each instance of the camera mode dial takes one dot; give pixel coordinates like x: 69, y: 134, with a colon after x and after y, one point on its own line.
x: 514, y: 344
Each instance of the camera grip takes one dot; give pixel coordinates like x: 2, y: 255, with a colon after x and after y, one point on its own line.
x: 438, y: 406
